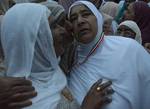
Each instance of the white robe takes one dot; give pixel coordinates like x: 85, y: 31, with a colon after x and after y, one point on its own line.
x: 29, y: 52
x: 125, y: 63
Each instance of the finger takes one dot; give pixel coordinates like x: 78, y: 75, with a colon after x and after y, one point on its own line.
x: 23, y: 96
x: 105, y: 85
x: 20, y: 81
x: 5, y: 97
x: 106, y: 100
x: 22, y: 89
x: 107, y: 91
x: 19, y: 105
x: 96, y: 84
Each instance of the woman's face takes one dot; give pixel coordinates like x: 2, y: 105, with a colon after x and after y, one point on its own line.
x: 107, y: 28
x: 84, y: 24
x: 59, y: 32
x: 129, y: 13
x: 126, y: 32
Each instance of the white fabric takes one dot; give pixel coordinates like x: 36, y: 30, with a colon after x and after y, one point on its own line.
x: 54, y: 7
x: 134, y: 27
x: 29, y: 52
x: 27, y: 1
x: 115, y: 60
x: 149, y: 4
x: 87, y: 47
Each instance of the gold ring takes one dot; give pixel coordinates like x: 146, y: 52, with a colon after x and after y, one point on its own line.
x: 98, y: 88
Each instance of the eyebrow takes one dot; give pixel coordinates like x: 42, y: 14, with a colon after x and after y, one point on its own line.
x: 81, y: 11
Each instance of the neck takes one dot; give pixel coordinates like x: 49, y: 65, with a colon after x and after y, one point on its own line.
x: 84, y: 49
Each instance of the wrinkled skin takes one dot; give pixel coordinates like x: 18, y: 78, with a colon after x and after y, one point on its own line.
x: 15, y: 93
x: 126, y: 32
x: 97, y: 99
x: 84, y: 24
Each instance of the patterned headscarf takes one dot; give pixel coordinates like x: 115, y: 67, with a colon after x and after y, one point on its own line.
x: 142, y: 18
x: 134, y: 27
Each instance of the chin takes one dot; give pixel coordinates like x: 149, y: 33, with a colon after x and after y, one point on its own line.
x: 86, y: 39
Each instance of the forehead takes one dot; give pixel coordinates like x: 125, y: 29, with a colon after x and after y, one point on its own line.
x: 78, y: 9
x: 125, y: 28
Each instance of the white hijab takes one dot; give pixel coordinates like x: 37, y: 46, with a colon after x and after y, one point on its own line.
x: 29, y: 52
x: 115, y: 60
x: 85, y: 48
x: 27, y: 1
x: 134, y: 27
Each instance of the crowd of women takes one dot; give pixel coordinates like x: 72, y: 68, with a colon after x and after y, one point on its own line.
x: 73, y: 54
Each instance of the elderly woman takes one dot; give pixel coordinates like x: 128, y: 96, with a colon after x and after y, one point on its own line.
x: 32, y: 55
x: 110, y: 58
x: 129, y: 29
x: 29, y: 52
x: 140, y: 13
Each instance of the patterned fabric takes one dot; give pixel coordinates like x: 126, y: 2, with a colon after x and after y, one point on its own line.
x: 66, y: 3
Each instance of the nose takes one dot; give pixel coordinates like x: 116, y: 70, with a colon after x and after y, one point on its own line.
x: 80, y: 20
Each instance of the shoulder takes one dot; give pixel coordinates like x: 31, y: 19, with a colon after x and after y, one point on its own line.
x: 118, y: 40
x: 121, y: 44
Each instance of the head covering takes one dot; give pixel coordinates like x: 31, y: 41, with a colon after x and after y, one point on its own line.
x: 99, y: 17
x: 110, y: 8
x: 55, y: 8
x: 106, y: 17
x: 24, y: 1
x: 142, y: 18
x: 134, y: 27
x: 29, y: 52
x: 115, y: 61
x: 120, y: 12
x: 66, y: 3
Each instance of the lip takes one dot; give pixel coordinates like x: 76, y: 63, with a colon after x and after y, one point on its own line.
x: 83, y: 31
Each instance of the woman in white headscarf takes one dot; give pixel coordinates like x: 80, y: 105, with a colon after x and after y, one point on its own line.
x: 110, y: 8
x: 29, y: 52
x: 130, y: 29
x: 110, y: 58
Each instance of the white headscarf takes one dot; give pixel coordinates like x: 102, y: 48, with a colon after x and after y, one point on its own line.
x: 27, y: 1
x: 115, y: 60
x: 110, y: 8
x: 134, y: 27
x: 99, y: 24
x: 29, y: 52
x: 56, y: 9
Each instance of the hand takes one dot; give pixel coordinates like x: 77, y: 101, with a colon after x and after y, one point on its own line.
x: 98, y: 95
x: 15, y: 93
x: 147, y: 47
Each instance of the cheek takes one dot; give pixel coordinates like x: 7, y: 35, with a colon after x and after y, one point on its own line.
x: 75, y: 27
x: 94, y: 26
